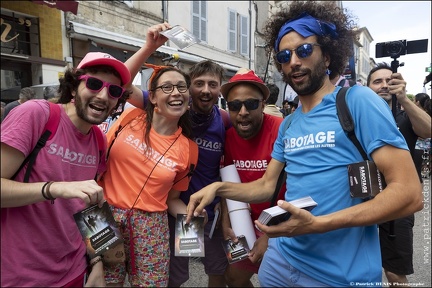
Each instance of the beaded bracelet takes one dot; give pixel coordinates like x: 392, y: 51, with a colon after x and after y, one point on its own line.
x: 92, y: 264
x: 49, y: 197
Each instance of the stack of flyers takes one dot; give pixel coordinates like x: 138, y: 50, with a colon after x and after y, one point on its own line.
x: 276, y: 215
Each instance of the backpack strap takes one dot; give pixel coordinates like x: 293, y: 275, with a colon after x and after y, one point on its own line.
x: 287, y: 123
x: 225, y: 118
x: 346, y: 120
x: 100, y: 141
x: 193, y: 157
x: 342, y: 83
x: 347, y: 124
x: 282, y: 175
x: 135, y: 112
x: 47, y: 134
x: 101, y: 144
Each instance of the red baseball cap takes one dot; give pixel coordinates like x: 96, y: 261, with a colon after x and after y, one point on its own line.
x: 245, y: 75
x: 100, y: 58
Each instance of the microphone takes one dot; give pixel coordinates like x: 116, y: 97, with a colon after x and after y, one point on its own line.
x: 172, y: 57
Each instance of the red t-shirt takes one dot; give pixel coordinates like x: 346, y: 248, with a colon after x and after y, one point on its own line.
x: 252, y: 156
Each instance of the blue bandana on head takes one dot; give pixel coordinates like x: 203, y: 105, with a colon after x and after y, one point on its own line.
x: 306, y: 26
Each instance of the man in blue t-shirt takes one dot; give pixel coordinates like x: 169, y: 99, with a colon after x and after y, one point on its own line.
x: 336, y: 244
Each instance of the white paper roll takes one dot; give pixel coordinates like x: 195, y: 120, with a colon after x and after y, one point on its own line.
x: 239, y: 214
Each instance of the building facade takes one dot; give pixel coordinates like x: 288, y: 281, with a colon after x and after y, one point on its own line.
x: 40, y: 39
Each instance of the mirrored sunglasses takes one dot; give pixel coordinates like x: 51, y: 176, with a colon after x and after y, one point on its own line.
x: 250, y: 104
x: 302, y: 51
x: 95, y: 85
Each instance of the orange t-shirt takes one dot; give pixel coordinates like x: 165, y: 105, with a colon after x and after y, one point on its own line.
x: 132, y: 166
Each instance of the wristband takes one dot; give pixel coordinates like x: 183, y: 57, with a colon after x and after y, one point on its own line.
x: 92, y: 264
x: 43, y: 191
x: 48, y: 192
x: 48, y: 195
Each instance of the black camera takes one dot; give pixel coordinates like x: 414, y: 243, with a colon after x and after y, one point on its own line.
x: 394, y: 49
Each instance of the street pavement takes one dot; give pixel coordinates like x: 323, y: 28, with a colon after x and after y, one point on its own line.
x: 422, y: 251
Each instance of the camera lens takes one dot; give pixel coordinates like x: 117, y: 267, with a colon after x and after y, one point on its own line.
x: 395, y: 48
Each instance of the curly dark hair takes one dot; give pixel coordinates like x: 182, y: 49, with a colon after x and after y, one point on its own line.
x: 70, y: 83
x: 184, y: 121
x: 339, y: 49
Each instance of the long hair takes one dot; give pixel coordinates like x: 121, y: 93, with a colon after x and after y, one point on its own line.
x: 70, y: 82
x: 338, y: 49
x: 184, y: 121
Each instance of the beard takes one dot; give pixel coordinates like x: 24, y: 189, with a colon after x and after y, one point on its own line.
x: 315, y: 82
x: 81, y: 109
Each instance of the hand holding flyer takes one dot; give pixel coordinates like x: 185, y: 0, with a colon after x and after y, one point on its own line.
x: 180, y: 36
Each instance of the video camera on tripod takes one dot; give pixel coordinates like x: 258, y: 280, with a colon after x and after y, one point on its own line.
x: 395, y: 49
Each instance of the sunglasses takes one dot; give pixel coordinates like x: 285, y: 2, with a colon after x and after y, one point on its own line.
x: 250, y: 104
x: 302, y: 51
x: 169, y: 88
x: 95, y: 85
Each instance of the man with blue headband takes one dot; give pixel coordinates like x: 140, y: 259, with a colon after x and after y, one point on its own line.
x: 336, y: 244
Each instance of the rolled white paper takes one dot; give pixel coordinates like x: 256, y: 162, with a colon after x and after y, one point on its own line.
x: 239, y: 214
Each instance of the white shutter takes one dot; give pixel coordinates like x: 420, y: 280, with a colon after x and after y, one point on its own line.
x: 244, y: 35
x: 232, y: 31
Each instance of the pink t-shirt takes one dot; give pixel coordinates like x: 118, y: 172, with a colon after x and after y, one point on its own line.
x: 40, y: 243
x: 135, y: 179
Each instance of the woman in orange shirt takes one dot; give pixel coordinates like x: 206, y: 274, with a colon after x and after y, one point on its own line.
x: 146, y: 170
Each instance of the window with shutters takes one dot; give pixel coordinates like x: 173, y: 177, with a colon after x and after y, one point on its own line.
x: 199, y: 19
x: 238, y: 33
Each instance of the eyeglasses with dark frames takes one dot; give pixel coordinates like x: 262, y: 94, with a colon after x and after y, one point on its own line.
x: 169, y: 88
x: 250, y: 104
x: 303, y: 51
x: 95, y: 85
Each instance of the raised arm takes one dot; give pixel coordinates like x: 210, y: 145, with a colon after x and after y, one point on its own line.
x: 153, y: 41
x: 420, y: 120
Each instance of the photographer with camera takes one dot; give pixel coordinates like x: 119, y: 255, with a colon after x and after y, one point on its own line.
x: 413, y: 122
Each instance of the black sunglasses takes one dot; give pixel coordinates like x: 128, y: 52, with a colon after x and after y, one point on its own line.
x: 302, y: 51
x: 250, y: 104
x: 95, y: 85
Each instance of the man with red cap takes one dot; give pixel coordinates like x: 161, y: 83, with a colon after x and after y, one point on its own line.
x: 248, y: 146
x: 40, y: 241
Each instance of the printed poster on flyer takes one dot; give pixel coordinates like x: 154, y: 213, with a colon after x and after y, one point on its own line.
x: 98, y: 229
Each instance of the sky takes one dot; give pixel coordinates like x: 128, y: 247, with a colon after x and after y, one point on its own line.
x: 398, y: 20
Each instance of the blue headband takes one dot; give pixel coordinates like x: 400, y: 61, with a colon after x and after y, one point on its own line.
x: 306, y: 26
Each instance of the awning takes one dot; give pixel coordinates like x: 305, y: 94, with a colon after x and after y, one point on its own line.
x: 64, y: 5
x: 77, y: 30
